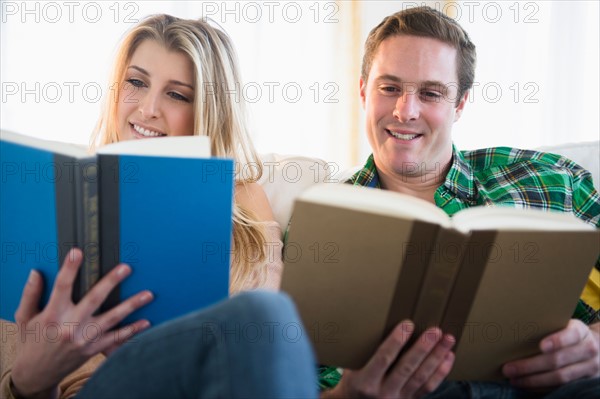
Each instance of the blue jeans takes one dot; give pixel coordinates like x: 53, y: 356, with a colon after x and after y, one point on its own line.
x: 588, y: 388
x: 251, y: 346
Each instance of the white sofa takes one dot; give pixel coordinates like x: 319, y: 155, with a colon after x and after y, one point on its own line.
x: 286, y: 176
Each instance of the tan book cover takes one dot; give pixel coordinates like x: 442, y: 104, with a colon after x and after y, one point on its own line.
x: 359, y: 260
x: 529, y: 288
x: 346, y: 282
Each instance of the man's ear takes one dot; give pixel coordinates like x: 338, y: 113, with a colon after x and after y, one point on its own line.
x: 461, y: 106
x: 363, y: 89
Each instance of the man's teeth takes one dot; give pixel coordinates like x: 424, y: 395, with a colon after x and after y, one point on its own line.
x: 403, y: 136
x: 146, y: 132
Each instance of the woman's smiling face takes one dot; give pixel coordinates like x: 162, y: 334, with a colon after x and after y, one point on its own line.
x: 156, y: 97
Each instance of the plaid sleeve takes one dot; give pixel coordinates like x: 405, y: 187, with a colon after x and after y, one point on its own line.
x: 586, y: 313
x: 586, y: 200
x: 328, y: 377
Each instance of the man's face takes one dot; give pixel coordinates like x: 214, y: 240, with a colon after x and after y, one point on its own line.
x: 410, y: 104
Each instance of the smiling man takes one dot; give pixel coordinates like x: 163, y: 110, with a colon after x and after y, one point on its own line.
x: 417, y: 70
x: 411, y: 100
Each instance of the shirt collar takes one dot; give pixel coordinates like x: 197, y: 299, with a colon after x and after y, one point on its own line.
x: 367, y: 176
x: 459, y: 179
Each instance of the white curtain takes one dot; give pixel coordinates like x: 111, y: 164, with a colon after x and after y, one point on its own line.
x: 537, y: 75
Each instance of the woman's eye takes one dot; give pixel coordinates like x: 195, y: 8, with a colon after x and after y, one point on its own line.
x: 135, y: 82
x: 178, y: 97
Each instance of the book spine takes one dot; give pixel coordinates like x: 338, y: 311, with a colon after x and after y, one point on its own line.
x: 65, y: 188
x: 439, y: 279
x: 475, y: 257
x: 77, y: 217
x: 108, y: 190
x: 88, y: 226
x: 419, y: 249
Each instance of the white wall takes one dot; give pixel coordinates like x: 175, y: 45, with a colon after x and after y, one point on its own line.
x: 537, y: 76
x: 55, y: 57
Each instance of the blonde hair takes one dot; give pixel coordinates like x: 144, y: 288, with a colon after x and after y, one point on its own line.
x: 218, y: 114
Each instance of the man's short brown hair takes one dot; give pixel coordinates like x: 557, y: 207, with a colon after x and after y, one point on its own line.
x: 426, y: 22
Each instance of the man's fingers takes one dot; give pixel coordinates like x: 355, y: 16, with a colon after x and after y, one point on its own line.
x: 388, y: 351
x: 433, y: 368
x: 438, y: 376
x: 63, y: 285
x: 420, y: 361
x: 546, y: 362
x: 30, y: 298
x: 575, y: 332
x: 555, y: 377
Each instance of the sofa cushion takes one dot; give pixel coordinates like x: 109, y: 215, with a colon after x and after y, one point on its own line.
x: 285, y: 177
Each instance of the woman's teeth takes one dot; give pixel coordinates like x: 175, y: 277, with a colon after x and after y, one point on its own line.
x: 146, y: 132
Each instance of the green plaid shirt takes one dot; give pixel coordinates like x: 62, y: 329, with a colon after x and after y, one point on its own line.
x: 508, y: 176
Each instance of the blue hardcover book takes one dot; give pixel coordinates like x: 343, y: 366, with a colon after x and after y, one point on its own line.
x: 161, y: 205
x: 42, y: 210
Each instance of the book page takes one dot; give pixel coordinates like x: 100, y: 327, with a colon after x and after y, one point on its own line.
x: 58, y: 147
x: 509, y: 218
x: 177, y: 147
x: 380, y: 202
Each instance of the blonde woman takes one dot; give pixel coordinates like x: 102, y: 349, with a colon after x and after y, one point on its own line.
x: 179, y: 77
x: 174, y: 77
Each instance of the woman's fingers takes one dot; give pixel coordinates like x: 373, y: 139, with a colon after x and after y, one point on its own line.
x: 112, y: 317
x: 92, y: 301
x: 30, y: 298
x: 63, y: 285
x: 113, y: 341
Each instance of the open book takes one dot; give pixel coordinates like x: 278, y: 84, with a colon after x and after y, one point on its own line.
x: 360, y: 260
x: 161, y: 205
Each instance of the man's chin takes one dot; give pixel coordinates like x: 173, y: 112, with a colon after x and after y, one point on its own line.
x: 408, y: 167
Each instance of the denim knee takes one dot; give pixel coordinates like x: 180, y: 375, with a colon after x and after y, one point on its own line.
x: 265, y: 306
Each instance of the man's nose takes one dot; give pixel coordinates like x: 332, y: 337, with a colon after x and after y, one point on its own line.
x: 407, y: 106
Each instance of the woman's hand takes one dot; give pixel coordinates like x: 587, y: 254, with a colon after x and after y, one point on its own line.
x: 58, y: 340
x: 420, y: 370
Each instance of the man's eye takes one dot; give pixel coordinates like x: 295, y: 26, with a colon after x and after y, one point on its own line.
x: 178, y: 97
x: 135, y: 82
x: 431, y: 95
x: 389, y: 89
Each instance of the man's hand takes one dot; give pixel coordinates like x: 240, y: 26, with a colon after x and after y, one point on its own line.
x: 567, y: 355
x: 62, y: 337
x: 418, y: 371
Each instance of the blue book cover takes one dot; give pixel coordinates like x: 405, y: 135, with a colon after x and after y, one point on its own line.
x: 41, y: 189
x: 168, y: 217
